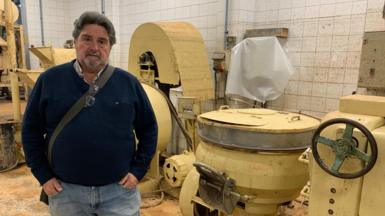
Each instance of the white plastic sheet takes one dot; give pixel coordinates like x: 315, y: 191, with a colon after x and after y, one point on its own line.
x: 259, y: 69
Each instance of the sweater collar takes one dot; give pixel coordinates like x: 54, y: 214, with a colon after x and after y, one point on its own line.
x: 79, y: 71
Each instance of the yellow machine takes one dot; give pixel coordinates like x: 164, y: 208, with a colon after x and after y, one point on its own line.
x: 346, y: 174
x: 173, y: 54
x: 167, y: 55
x: 50, y: 56
x: 261, y: 157
x: 247, y: 162
x: 163, y: 118
x: 11, y: 44
x: 11, y: 57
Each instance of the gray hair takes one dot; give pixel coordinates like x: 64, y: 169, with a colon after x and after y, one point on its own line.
x: 93, y: 17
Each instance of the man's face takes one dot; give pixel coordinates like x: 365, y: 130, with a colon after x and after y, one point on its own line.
x: 92, y: 48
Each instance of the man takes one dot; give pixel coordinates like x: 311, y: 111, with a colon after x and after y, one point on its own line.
x: 95, y: 164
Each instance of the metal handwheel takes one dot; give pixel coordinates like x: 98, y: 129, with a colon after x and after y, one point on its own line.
x: 345, y: 147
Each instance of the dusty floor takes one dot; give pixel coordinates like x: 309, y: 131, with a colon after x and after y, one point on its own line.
x: 19, y: 193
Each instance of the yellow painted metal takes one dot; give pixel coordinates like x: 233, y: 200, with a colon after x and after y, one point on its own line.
x: 11, y: 42
x: 180, y: 55
x: 177, y: 167
x: 15, y: 97
x: 261, y: 120
x: 163, y: 118
x: 363, y: 104
x: 3, y: 43
x: 3, y: 8
x: 273, y: 178
x: 188, y: 110
x: 21, y: 54
x: 162, y: 114
x: 371, y: 122
x: 4, y: 64
x: 264, y: 179
x: 237, y: 117
x: 12, y: 54
x: 373, y: 188
x: 10, y: 32
x: 148, y: 185
x: 187, y: 193
x: 28, y: 77
x: 348, y: 197
x: 50, y: 56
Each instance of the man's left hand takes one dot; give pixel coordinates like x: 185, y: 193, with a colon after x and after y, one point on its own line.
x: 129, y: 181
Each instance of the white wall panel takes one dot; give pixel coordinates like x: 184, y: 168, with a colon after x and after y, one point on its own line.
x: 324, y: 44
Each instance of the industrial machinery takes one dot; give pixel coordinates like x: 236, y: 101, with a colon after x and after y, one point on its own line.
x: 11, y: 44
x: 11, y: 57
x: 49, y: 56
x: 167, y: 55
x: 347, y: 164
x: 171, y: 54
x: 247, y: 162
x: 247, y: 159
x: 163, y: 118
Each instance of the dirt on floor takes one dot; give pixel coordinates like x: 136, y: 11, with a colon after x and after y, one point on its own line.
x: 19, y: 196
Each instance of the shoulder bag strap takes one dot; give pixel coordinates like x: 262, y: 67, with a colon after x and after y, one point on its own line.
x: 78, y: 106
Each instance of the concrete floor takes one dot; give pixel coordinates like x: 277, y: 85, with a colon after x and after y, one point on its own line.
x: 19, y: 196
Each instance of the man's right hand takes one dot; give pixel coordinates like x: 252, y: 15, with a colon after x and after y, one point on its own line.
x: 52, y: 187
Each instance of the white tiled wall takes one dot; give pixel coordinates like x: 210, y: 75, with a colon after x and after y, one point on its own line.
x: 324, y: 46
x: 53, y: 18
x: 324, y: 41
x: 58, y: 17
x: 203, y: 14
x: 126, y: 15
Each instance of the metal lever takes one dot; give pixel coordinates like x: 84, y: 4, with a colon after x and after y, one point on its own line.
x: 216, y: 188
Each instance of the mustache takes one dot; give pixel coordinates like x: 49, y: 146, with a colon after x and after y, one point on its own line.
x: 93, y: 54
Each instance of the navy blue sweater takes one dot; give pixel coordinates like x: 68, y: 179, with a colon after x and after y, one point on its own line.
x: 98, y: 146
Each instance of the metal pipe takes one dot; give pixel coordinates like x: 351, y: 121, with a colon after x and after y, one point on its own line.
x: 41, y: 22
x: 11, y: 42
x: 383, y: 12
x: 23, y: 14
x: 226, y: 33
x: 103, y: 7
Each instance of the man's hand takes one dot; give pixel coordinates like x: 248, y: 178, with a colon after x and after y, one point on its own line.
x: 129, y: 181
x: 52, y: 187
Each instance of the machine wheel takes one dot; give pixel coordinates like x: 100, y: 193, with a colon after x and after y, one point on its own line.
x: 345, y: 147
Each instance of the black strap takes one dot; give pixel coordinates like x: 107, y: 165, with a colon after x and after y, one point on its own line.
x: 82, y: 102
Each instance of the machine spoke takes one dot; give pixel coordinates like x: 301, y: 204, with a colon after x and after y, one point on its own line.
x: 327, y: 141
x: 348, y: 132
x: 361, y: 155
x: 337, y: 164
x: 345, y: 147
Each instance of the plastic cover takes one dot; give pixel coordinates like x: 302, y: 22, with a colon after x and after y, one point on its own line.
x: 259, y: 69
